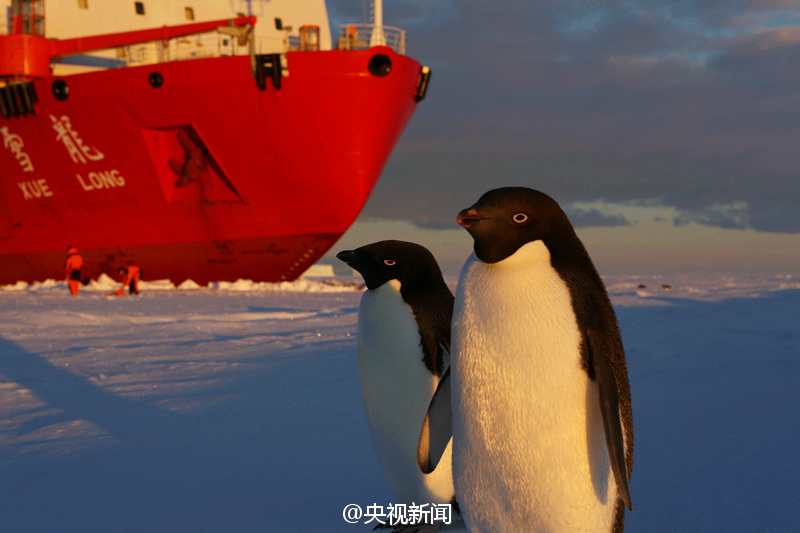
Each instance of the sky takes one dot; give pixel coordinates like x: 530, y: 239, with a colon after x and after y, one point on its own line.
x: 668, y: 131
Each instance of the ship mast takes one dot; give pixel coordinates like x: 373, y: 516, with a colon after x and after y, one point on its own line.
x: 378, y: 38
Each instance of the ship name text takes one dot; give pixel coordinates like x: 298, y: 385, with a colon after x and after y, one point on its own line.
x: 105, y: 179
x: 35, y: 189
x: 14, y: 144
x: 77, y: 150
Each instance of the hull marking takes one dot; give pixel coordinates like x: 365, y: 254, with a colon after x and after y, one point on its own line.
x: 79, y: 152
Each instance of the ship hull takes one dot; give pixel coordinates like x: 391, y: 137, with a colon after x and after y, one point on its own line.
x: 189, y: 170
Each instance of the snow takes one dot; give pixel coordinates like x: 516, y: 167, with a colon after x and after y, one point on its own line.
x: 237, y: 407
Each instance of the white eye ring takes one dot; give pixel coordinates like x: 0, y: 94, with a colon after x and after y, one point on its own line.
x: 389, y: 262
x: 519, y: 218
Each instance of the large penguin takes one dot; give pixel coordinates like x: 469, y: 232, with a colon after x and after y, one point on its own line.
x: 403, y: 349
x: 541, y: 408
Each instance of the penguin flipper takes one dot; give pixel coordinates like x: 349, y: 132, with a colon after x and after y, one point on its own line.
x: 437, y: 429
x: 609, y: 408
x: 436, y: 350
x: 443, y: 349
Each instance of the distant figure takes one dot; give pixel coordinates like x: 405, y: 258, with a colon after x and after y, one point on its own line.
x: 130, y: 277
x: 73, y: 267
x: 349, y: 39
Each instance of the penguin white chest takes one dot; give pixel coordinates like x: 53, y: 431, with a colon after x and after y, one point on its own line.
x: 529, y: 450
x: 397, y: 388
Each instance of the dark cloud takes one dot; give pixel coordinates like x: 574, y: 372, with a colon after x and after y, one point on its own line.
x: 776, y: 219
x: 693, y: 103
x: 582, y: 218
x: 723, y: 216
x: 765, y: 218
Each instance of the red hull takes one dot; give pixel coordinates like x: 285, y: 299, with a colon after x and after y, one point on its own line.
x: 271, y: 179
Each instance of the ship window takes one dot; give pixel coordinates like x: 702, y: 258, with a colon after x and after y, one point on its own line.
x: 189, y: 13
x: 278, y: 24
x: 26, y: 16
x: 83, y: 4
x: 139, y: 8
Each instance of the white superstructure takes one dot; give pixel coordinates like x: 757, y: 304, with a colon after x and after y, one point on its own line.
x: 277, y: 30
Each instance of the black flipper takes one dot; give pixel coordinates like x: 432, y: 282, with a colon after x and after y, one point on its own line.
x: 609, y: 407
x: 443, y: 347
x: 437, y: 429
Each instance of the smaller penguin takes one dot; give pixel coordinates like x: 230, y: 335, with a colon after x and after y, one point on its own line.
x: 403, y: 350
x: 540, y: 407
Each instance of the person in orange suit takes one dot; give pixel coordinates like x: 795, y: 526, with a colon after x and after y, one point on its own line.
x: 73, y: 267
x: 130, y: 277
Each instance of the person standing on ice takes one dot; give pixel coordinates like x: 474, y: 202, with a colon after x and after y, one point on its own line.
x: 73, y: 266
x: 130, y: 277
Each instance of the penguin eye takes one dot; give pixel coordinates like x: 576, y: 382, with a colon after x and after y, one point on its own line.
x: 389, y: 262
x: 519, y: 218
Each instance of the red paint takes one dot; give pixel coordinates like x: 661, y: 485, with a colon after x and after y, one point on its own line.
x: 283, y: 173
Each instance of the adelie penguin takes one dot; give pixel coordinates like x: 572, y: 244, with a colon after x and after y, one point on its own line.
x: 541, y: 407
x: 403, y: 349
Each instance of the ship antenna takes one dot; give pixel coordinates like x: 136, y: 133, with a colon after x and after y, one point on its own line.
x: 378, y: 38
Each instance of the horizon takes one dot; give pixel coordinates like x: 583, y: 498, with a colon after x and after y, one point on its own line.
x: 614, y: 251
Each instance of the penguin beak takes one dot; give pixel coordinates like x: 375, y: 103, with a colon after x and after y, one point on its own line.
x: 348, y: 256
x: 468, y: 217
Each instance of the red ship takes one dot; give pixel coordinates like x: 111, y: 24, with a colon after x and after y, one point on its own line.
x: 222, y: 165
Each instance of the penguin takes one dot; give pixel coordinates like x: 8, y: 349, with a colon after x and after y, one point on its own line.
x: 403, y: 349
x: 541, y: 408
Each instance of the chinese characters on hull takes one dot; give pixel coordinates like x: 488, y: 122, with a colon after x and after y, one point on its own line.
x: 13, y: 143
x: 78, y: 151
x: 31, y: 188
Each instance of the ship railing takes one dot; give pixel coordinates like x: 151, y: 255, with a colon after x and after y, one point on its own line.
x: 362, y: 36
x: 195, y: 46
x: 215, y: 44
x: 199, y: 45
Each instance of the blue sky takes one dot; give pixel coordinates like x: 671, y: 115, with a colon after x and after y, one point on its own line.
x: 669, y: 131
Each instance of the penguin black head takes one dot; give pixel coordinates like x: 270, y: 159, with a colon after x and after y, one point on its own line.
x: 505, y: 219
x: 408, y: 263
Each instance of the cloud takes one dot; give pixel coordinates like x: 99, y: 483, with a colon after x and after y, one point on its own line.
x: 777, y: 219
x: 584, y: 218
x: 731, y: 216
x: 694, y: 103
x: 768, y: 219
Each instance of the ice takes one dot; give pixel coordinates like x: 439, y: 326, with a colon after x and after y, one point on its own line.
x: 188, y: 285
x: 237, y: 406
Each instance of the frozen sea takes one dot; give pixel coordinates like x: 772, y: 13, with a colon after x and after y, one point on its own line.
x: 237, y: 407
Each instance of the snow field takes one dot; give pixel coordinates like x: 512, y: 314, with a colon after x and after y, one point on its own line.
x: 237, y: 407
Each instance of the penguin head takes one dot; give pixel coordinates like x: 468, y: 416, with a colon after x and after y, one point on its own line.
x: 505, y: 219
x: 382, y: 261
